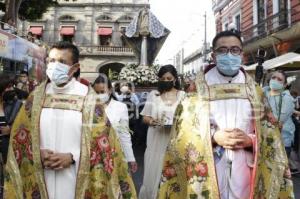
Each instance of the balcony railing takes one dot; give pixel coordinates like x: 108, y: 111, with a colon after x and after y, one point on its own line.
x: 218, y: 5
x: 267, y: 26
x: 105, y: 50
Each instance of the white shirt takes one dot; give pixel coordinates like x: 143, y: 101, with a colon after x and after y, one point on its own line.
x: 60, y: 131
x: 117, y: 114
x: 232, y: 113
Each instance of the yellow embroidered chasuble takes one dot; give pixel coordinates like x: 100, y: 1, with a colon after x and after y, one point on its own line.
x: 103, y: 171
x: 189, y: 169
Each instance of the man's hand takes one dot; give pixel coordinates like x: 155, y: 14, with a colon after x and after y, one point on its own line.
x: 133, y: 166
x: 45, y: 157
x: 56, y: 161
x: 154, y: 122
x: 232, y: 139
x: 5, y: 130
x: 244, y: 140
x: 60, y: 161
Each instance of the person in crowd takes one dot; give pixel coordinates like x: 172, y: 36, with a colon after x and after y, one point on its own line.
x: 131, y: 100
x: 10, y: 26
x: 9, y: 107
x: 30, y: 37
x: 117, y: 90
x: 158, y: 114
x: 128, y: 94
x: 62, y: 144
x: 283, y: 107
x: 23, y: 82
x: 117, y: 114
x: 224, y: 143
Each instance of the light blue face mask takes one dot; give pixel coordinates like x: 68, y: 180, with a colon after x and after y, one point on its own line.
x: 58, y: 72
x: 276, y: 85
x: 229, y: 64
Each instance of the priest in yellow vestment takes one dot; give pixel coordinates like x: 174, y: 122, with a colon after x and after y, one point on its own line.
x: 224, y: 143
x: 62, y: 145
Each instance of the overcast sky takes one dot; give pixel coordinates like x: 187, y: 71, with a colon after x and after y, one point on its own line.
x: 185, y: 19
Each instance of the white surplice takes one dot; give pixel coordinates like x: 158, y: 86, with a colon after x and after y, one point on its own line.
x: 233, y: 178
x: 117, y: 114
x: 60, y: 131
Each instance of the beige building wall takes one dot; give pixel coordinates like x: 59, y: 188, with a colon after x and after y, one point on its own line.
x: 87, y: 16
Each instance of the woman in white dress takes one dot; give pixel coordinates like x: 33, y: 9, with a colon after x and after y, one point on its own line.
x: 158, y: 114
x: 117, y: 114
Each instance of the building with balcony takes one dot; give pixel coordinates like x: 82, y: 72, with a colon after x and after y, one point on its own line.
x: 227, y: 12
x: 273, y: 25
x: 95, y: 27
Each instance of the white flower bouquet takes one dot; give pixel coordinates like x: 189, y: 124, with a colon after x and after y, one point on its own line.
x: 141, y: 76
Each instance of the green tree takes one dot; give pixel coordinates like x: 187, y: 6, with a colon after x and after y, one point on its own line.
x: 25, y: 9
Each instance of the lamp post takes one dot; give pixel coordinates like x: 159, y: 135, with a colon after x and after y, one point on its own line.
x: 205, y: 39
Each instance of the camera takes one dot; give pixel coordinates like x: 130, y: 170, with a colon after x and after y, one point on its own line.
x: 261, y: 53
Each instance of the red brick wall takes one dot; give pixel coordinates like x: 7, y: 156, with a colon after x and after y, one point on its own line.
x: 295, y: 7
x: 226, y: 13
x: 247, y: 14
x: 269, y: 8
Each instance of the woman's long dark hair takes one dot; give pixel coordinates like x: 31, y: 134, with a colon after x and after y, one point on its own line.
x: 103, y: 79
x: 171, y: 69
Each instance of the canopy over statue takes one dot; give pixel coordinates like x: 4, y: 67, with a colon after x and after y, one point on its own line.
x: 146, y: 35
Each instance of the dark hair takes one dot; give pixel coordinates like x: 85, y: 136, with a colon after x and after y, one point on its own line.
x: 5, y: 81
x: 226, y: 33
x: 77, y: 73
x: 283, y: 73
x: 103, y: 79
x: 24, y: 72
x: 171, y: 69
x: 67, y: 45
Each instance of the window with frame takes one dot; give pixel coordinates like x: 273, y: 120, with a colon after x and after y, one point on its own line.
x: 238, y: 22
x: 261, y: 16
x: 283, y: 11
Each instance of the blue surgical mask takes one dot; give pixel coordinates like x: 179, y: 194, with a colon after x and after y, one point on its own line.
x: 229, y: 64
x: 276, y: 85
x: 58, y: 72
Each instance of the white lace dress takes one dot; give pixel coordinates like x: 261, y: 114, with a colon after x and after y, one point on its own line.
x: 157, y: 141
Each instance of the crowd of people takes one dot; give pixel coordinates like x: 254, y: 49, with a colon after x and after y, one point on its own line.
x: 223, y: 137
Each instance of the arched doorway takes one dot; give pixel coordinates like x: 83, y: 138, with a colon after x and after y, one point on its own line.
x: 111, y: 69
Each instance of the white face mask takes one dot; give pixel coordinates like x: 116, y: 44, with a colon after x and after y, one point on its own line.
x: 124, y: 89
x: 104, y: 97
x: 58, y: 72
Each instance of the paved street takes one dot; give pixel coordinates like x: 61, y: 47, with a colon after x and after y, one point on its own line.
x: 296, y: 180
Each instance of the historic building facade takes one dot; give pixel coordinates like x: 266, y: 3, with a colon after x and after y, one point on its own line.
x: 273, y: 25
x: 95, y: 27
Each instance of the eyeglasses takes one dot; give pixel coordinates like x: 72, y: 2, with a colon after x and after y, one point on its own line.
x: 234, y: 50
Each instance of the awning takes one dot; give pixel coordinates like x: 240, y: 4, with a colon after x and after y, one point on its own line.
x: 104, y: 31
x: 288, y: 60
x: 67, y: 30
x: 36, y: 30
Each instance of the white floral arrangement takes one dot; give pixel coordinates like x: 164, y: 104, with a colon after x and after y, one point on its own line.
x: 139, y: 75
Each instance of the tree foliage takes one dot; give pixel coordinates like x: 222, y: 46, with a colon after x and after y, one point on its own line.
x: 25, y: 9
x: 34, y: 9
